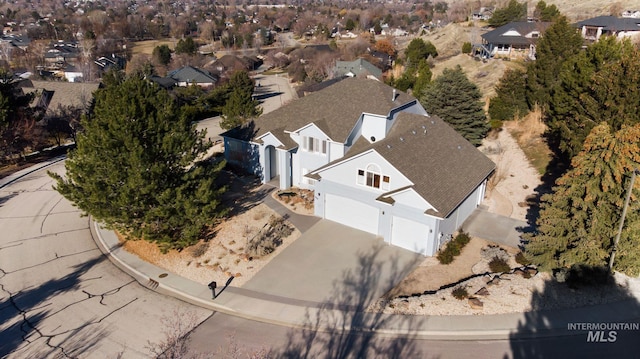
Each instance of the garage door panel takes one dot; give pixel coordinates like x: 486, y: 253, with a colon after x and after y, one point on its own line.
x: 409, y: 234
x: 351, y: 213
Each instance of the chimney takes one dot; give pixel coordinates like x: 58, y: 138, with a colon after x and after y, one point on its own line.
x: 394, y: 95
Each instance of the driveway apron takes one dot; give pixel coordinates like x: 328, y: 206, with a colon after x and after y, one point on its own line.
x: 332, y: 264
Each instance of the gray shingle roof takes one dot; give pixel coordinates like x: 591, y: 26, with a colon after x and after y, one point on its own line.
x: 191, y: 74
x: 522, y: 27
x: 444, y: 167
x: 357, y: 67
x: 335, y: 109
x: 75, y: 94
x: 612, y: 23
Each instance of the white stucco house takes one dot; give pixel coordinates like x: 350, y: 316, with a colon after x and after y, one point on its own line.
x: 374, y: 158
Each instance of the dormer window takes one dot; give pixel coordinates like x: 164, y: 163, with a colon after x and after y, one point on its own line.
x: 315, y: 145
x: 372, y: 177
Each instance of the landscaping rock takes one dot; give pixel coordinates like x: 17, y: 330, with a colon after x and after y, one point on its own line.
x: 482, y: 292
x: 494, y: 281
x: 475, y: 303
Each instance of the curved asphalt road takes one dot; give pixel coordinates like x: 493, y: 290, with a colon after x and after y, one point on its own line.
x: 59, y: 296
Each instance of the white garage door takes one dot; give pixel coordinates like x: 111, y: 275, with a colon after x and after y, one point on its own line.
x: 409, y: 235
x: 351, y: 213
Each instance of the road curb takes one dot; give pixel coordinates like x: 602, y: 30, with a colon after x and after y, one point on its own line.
x: 19, y: 174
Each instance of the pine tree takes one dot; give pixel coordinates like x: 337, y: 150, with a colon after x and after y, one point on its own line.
x: 514, y: 11
x: 456, y: 100
x: 136, y: 167
x: 559, y: 43
x: 240, y: 104
x: 510, y: 100
x: 579, y: 219
x: 596, y: 85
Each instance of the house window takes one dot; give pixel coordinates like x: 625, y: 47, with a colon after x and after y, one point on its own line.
x: 371, y: 177
x: 315, y: 145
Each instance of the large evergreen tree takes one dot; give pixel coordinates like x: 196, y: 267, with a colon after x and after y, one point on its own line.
x: 579, y: 220
x: 510, y: 100
x: 456, y: 100
x: 596, y: 85
x: 514, y: 11
x: 559, y: 43
x: 136, y: 166
x: 418, y: 50
x: 240, y: 104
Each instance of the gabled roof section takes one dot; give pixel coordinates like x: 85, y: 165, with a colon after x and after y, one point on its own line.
x: 612, y: 23
x: 357, y: 67
x: 61, y: 94
x: 335, y: 109
x: 503, y: 34
x: 444, y: 167
x: 190, y: 74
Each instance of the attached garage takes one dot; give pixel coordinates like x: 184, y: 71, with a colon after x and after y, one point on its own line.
x: 410, y: 235
x: 351, y: 213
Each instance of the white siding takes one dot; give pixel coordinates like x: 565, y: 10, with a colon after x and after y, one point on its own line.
x: 374, y: 126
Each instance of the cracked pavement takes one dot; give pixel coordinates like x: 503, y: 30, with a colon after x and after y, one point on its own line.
x: 59, y: 296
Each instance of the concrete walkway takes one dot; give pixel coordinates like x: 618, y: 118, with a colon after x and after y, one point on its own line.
x: 494, y: 227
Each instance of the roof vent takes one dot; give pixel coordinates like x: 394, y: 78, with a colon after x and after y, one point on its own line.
x: 413, y: 131
x: 401, y: 139
x: 373, y: 138
x: 433, y: 122
x: 393, y: 98
x: 389, y: 146
x: 459, y: 147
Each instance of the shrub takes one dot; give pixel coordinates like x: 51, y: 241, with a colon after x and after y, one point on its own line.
x: 522, y: 259
x: 466, y: 48
x: 460, y: 292
x: 453, y: 248
x: 199, y: 249
x: 462, y: 238
x: 445, y: 257
x: 499, y: 265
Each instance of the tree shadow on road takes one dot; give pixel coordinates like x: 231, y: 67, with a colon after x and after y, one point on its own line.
x: 26, y: 311
x: 5, y: 199
x: 549, y: 333
x: 343, y: 328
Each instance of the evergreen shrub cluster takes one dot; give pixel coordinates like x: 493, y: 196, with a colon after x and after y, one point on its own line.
x: 453, y: 248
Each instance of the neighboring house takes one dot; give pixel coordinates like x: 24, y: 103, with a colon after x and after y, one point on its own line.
x: 229, y: 64
x: 69, y: 73
x: 359, y: 67
x: 61, y: 53
x: 186, y: 76
x: 112, y: 62
x: 375, y: 159
x: 54, y: 95
x: 513, y: 40
x: 485, y: 13
x: 631, y: 13
x: 592, y: 29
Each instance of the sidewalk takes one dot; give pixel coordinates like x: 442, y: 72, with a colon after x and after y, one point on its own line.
x: 322, y: 316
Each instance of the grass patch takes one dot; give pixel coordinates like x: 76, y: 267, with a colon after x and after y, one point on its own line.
x: 529, y: 132
x: 147, y: 46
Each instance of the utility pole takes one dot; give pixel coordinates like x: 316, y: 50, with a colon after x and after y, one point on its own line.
x: 624, y: 215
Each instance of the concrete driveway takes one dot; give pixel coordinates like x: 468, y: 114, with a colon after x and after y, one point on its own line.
x: 332, y: 264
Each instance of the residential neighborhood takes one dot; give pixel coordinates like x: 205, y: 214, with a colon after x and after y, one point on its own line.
x: 333, y: 179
